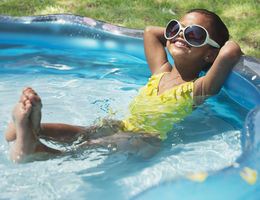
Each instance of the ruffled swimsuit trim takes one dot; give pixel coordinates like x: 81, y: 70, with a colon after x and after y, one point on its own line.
x: 153, y: 113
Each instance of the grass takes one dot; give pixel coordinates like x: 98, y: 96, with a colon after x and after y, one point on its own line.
x: 241, y: 16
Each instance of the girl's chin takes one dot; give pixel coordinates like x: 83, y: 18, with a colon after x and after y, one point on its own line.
x: 179, y: 52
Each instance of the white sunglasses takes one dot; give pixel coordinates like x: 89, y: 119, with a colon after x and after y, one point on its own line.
x: 194, y: 35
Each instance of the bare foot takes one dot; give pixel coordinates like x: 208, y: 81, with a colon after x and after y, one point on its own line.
x: 29, y: 93
x: 26, y: 142
x: 35, y: 116
x: 10, y: 132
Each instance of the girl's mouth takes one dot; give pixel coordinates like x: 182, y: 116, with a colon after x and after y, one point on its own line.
x: 178, y: 42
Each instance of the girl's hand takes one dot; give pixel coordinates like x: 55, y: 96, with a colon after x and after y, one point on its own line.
x: 230, y: 51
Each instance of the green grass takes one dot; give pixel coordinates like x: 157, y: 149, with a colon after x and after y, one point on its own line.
x: 241, y: 16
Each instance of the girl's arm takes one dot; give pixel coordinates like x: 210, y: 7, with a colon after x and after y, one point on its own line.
x: 154, y: 43
x: 212, y: 82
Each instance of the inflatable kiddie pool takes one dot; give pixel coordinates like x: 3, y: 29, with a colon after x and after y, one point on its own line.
x: 238, y: 181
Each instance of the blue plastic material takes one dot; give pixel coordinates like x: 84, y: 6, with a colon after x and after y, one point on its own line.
x: 242, y: 90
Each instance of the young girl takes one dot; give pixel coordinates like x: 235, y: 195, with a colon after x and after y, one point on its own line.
x: 196, y: 42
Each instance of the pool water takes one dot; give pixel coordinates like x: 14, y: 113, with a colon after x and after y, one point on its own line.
x: 76, y: 87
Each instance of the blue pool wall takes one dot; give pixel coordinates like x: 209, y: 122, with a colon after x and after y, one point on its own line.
x: 243, y: 86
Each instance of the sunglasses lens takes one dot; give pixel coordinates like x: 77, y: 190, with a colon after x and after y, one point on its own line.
x: 195, y: 35
x: 172, y: 29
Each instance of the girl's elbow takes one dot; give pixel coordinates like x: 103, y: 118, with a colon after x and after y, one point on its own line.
x: 232, y: 50
x: 148, y: 30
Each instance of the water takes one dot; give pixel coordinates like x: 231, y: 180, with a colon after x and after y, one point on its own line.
x: 77, y: 87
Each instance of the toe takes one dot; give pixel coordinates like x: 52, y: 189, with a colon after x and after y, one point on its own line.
x: 29, y: 93
x: 27, y: 89
x: 27, y: 106
x: 23, y: 98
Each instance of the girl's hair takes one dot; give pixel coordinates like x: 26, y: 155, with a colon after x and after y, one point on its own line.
x: 220, y: 32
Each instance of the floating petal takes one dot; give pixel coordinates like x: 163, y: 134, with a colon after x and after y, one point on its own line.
x: 199, y: 176
x: 249, y: 175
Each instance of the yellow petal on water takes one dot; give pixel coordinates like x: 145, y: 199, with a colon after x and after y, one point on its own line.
x: 249, y: 175
x: 112, y: 113
x: 80, y: 138
x: 199, y: 176
x: 101, y: 122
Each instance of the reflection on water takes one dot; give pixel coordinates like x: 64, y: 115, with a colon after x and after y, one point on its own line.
x: 78, y: 87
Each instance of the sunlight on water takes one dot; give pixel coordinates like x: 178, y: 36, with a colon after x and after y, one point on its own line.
x: 76, y: 88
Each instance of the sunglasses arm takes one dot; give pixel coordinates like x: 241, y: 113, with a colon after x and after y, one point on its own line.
x: 213, y: 43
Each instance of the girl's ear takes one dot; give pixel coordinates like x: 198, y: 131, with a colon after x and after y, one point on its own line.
x: 211, y: 55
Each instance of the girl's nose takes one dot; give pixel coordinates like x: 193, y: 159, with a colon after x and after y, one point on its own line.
x: 181, y: 33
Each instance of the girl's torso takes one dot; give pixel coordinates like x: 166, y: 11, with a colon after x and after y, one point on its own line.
x: 155, y: 112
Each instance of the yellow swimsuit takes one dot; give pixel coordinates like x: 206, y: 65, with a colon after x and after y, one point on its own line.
x: 155, y: 113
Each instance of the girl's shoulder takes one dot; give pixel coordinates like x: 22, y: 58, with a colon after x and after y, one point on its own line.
x: 166, y: 67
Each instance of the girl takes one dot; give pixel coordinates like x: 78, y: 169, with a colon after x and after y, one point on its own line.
x: 195, y: 42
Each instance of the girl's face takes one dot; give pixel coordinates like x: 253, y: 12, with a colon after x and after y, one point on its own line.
x: 178, y: 47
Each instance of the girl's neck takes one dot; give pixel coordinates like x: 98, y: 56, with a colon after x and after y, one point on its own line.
x: 185, y: 71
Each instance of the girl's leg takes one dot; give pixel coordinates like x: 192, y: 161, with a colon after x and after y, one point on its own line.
x: 50, y: 131
x: 25, y: 127
x: 56, y: 132
x: 26, y: 142
x: 62, y: 133
x: 142, y: 144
